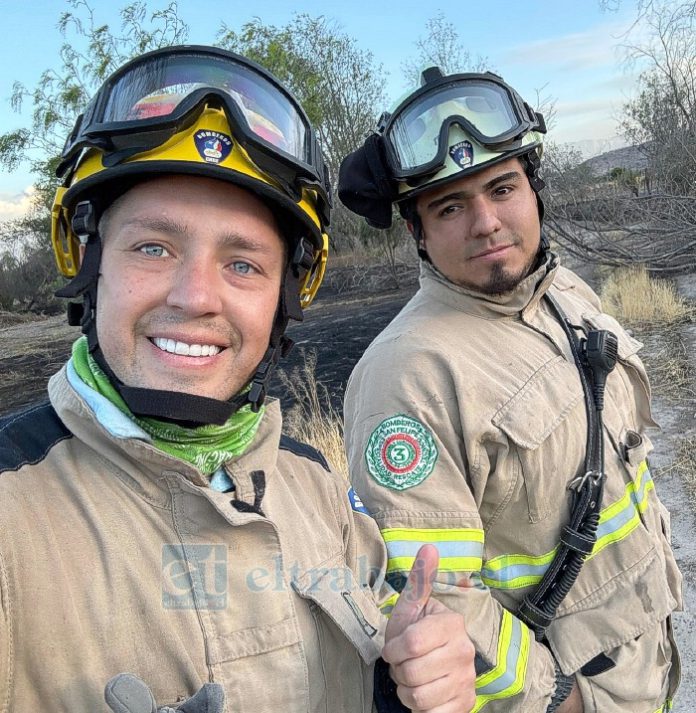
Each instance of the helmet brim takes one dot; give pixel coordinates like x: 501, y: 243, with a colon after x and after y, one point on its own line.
x: 104, y: 187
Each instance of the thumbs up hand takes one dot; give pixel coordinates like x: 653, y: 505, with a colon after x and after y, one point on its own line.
x: 430, y: 654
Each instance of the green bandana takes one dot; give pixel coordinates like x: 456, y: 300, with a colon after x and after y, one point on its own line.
x: 206, y: 447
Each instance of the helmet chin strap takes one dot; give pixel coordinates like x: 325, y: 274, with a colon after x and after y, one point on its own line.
x: 189, y: 410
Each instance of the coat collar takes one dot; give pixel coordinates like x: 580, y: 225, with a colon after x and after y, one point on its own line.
x: 524, y: 298
x: 121, y: 441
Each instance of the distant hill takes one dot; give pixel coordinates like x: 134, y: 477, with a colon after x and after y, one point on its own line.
x: 629, y: 157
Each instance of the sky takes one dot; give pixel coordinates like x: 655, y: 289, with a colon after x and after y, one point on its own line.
x: 568, y: 50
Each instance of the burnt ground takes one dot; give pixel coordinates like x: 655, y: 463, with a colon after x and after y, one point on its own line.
x: 337, y: 328
x: 340, y: 327
x: 340, y: 332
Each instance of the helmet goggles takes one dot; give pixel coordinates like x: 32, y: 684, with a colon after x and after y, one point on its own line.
x: 415, y: 135
x: 163, y: 92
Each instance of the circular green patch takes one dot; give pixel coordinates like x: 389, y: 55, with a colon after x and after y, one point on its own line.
x: 400, y: 453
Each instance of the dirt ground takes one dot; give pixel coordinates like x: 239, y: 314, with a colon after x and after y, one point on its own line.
x: 340, y: 329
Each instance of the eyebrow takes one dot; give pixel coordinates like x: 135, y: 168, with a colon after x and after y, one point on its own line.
x: 167, y: 226
x: 513, y: 176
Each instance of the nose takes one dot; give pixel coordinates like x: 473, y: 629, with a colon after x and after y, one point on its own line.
x: 196, y: 287
x: 484, y: 217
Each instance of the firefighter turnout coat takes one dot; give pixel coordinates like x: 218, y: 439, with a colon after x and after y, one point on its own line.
x: 117, y: 557
x: 465, y: 425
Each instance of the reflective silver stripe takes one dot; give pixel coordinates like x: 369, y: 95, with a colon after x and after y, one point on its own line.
x: 409, y: 548
x: 508, y: 676
x: 617, y: 521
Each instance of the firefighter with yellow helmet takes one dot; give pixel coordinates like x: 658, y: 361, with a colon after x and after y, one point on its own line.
x: 502, y: 417
x: 156, y: 521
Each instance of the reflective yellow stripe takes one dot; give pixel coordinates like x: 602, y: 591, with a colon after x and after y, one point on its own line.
x: 388, y: 605
x: 622, y: 517
x: 507, y: 678
x: 616, y: 522
x: 516, y: 571
x: 461, y: 549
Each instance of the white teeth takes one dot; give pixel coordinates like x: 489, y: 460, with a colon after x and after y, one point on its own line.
x: 183, y: 349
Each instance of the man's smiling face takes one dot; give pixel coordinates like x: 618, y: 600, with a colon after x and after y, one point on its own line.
x: 482, y: 231
x: 189, y: 284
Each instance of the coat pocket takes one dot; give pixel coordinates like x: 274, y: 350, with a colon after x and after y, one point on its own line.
x: 546, y: 422
x: 349, y: 629
x: 346, y: 606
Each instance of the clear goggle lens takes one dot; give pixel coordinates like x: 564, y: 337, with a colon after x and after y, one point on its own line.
x: 415, y: 133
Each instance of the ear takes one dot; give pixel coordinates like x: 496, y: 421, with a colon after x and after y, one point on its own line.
x: 409, y: 225
x: 81, y: 248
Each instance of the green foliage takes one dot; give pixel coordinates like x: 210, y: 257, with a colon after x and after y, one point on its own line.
x: 28, y: 275
x: 90, y: 52
x: 626, y: 178
x: 12, y: 147
x: 338, y: 84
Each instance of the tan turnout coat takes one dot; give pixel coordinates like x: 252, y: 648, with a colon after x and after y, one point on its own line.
x: 117, y: 557
x: 465, y: 424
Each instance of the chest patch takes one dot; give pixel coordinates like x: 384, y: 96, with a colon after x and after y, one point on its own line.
x: 400, y: 452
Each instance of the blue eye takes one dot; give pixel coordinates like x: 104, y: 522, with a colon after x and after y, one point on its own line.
x: 243, y: 268
x: 152, y: 250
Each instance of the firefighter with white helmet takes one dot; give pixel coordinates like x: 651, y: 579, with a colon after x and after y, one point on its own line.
x: 502, y: 417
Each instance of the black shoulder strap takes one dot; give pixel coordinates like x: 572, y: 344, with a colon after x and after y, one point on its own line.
x: 578, y: 537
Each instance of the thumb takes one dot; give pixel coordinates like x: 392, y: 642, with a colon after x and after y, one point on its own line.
x: 415, y: 595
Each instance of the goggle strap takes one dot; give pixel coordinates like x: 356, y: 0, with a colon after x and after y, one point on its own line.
x: 114, y: 158
x: 259, y: 384
x: 84, y: 225
x: 541, y: 123
x: 284, y: 176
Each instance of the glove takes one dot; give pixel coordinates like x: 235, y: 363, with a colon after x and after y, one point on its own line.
x: 126, y: 693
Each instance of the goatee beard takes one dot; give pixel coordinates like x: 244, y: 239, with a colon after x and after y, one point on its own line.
x: 501, y: 281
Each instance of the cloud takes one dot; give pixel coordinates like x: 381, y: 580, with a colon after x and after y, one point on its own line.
x: 622, y: 85
x: 589, y: 125
x: 575, y: 52
x: 581, y: 108
x: 16, y: 205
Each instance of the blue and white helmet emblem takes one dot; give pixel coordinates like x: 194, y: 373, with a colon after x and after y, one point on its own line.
x: 213, y: 146
x: 462, y: 153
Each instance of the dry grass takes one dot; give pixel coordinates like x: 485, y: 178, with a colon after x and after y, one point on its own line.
x: 685, y: 463
x: 633, y: 297
x: 667, y: 363
x: 313, y: 419
x: 30, y: 352
x: 8, y: 319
